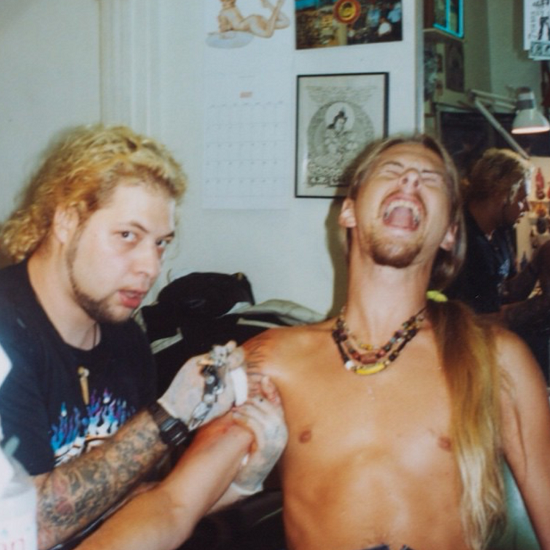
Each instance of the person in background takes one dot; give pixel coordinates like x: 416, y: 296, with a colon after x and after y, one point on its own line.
x: 402, y: 409
x: 496, y: 193
x: 87, y: 245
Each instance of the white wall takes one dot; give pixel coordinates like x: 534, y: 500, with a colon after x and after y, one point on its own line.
x: 283, y: 252
x: 477, y: 62
x: 510, y: 66
x: 51, y: 79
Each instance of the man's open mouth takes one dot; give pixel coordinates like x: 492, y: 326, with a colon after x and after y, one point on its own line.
x: 402, y: 213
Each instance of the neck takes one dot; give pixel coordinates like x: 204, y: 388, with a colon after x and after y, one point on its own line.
x: 486, y: 215
x: 53, y: 290
x: 380, y: 298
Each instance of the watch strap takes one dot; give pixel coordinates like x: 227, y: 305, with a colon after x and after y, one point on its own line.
x: 172, y: 430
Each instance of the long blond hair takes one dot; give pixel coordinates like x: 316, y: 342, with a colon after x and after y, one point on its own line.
x: 82, y: 170
x: 467, y: 350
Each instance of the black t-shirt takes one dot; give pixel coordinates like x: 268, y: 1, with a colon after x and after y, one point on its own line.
x: 487, y: 265
x: 42, y: 401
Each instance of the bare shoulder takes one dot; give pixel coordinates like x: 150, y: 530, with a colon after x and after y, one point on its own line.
x: 519, y: 366
x: 277, y: 348
x: 513, y: 354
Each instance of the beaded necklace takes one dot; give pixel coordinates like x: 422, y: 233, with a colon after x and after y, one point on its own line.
x: 373, y: 359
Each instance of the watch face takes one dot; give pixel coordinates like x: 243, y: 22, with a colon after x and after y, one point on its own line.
x: 172, y: 431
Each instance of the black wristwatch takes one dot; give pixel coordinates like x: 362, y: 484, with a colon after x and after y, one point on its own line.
x: 172, y: 430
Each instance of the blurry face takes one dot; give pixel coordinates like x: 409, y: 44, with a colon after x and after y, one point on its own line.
x: 401, y: 214
x: 114, y: 258
x: 514, y: 209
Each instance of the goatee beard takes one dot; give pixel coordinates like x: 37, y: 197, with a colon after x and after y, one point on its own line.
x: 394, y: 254
x: 98, y: 310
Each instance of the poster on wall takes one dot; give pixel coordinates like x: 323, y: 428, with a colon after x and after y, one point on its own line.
x: 236, y: 23
x: 536, y: 20
x: 326, y: 23
x: 337, y: 116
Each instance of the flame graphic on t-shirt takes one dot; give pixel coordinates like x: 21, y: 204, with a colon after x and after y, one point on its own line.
x: 76, y: 434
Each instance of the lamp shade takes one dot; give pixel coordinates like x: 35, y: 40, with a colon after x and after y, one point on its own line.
x: 528, y: 120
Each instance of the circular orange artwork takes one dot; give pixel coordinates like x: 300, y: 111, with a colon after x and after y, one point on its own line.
x: 347, y: 11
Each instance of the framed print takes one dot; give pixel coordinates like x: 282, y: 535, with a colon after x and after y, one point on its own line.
x: 336, y: 117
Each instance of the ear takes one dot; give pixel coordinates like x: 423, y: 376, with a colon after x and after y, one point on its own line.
x: 449, y: 239
x: 65, y: 223
x: 347, y: 214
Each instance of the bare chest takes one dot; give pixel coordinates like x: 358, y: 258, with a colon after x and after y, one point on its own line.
x: 401, y: 412
x: 369, y: 456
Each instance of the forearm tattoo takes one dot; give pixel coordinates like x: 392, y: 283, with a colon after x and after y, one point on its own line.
x: 76, y: 493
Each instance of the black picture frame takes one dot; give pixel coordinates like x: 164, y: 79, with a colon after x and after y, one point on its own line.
x: 337, y: 115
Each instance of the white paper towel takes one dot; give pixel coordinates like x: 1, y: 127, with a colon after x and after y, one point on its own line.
x: 6, y: 469
x: 17, y: 493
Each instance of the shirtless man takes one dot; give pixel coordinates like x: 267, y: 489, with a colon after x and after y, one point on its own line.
x: 231, y: 19
x: 397, y: 446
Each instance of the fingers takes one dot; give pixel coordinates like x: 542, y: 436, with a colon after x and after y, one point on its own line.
x: 262, y: 417
x: 195, y: 402
x: 255, y: 427
x: 235, y: 358
x: 260, y: 385
x: 270, y: 391
x: 266, y: 421
x: 254, y: 384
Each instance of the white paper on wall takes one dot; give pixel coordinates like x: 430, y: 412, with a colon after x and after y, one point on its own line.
x: 246, y: 148
x: 248, y: 109
x: 536, y: 24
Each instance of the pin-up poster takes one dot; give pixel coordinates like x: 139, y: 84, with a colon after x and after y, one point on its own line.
x: 326, y: 23
x: 237, y: 23
x: 537, y: 28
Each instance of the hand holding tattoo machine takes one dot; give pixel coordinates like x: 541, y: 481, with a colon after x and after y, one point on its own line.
x: 205, y: 387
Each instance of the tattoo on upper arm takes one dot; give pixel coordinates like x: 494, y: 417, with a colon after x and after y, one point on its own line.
x: 256, y: 351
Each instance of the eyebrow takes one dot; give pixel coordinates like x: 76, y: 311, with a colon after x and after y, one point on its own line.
x: 401, y: 165
x: 142, y: 228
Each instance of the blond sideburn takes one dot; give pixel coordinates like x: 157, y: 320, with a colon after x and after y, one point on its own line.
x: 82, y: 170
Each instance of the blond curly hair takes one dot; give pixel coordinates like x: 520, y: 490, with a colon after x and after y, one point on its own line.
x: 82, y: 170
